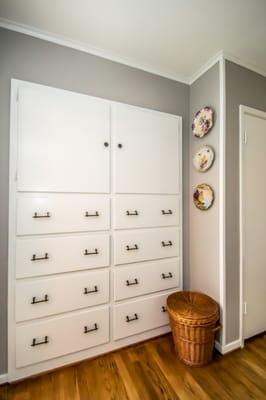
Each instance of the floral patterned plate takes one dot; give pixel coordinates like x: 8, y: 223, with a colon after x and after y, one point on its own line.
x: 203, y: 196
x: 203, y: 159
x: 203, y: 122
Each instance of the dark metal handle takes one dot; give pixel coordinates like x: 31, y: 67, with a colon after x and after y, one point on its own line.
x: 169, y: 212
x: 87, y: 291
x: 86, y: 253
x: 120, y: 145
x: 36, y: 215
x: 164, y: 309
x: 96, y: 214
x: 34, y: 258
x: 128, y: 319
x: 135, y: 282
x: 170, y: 275
x: 45, y: 299
x: 135, y: 247
x: 169, y: 243
x: 35, y: 343
x: 132, y: 213
x: 106, y: 144
x: 95, y: 328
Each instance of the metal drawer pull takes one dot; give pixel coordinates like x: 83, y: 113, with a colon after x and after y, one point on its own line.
x: 128, y: 319
x: 86, y: 253
x: 34, y: 258
x: 164, y: 309
x: 170, y: 275
x: 96, y: 214
x: 169, y: 243
x: 36, y: 215
x: 44, y: 300
x: 169, y: 212
x: 135, y: 247
x: 35, y: 343
x: 135, y: 282
x: 95, y: 328
x: 132, y: 213
x: 87, y: 291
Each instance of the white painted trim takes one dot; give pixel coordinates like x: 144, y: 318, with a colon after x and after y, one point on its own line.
x: 205, y: 67
x: 3, y: 379
x: 244, y: 64
x: 243, y: 110
x: 228, y: 347
x: 86, y: 48
x: 222, y: 197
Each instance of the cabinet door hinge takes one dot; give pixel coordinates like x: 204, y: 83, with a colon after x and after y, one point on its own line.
x: 245, y: 308
x: 245, y: 137
x: 17, y: 96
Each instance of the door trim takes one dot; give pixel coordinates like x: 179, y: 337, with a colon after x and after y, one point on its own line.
x: 243, y: 110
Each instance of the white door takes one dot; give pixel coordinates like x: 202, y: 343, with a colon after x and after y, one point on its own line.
x: 254, y: 222
x: 63, y: 141
x: 147, y: 150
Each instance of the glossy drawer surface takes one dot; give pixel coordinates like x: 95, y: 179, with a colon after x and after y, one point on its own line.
x: 141, y: 211
x: 36, y: 256
x: 56, y: 213
x: 140, y: 279
x: 45, y: 339
x: 40, y: 297
x: 134, y: 317
x: 149, y: 244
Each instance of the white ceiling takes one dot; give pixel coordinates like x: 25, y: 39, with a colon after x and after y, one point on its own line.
x: 173, y: 38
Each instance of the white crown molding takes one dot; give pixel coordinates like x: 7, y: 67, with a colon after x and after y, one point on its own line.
x: 205, y: 67
x: 244, y: 64
x: 63, y: 41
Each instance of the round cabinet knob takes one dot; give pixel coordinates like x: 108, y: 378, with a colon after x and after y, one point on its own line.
x: 120, y: 145
x: 106, y: 144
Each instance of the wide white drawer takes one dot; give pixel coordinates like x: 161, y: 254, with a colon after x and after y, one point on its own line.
x: 50, y: 255
x: 141, y: 211
x: 150, y: 244
x: 55, y: 213
x: 139, y: 279
x: 138, y: 316
x: 42, y: 340
x: 41, y: 297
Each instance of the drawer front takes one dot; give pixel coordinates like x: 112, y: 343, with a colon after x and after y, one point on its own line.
x: 136, y: 211
x: 50, y: 255
x: 41, y: 297
x: 42, y: 340
x: 138, y: 316
x: 55, y: 213
x: 141, y: 245
x: 131, y: 281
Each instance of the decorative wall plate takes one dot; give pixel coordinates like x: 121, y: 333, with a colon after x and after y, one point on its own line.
x: 203, y: 158
x: 203, y: 122
x: 203, y: 196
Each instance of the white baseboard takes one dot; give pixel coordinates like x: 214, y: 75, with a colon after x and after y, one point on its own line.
x: 228, y: 347
x: 3, y: 379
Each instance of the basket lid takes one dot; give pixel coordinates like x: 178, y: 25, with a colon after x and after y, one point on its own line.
x: 192, y: 308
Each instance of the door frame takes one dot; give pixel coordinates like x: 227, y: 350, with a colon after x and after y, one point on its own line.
x: 243, y: 111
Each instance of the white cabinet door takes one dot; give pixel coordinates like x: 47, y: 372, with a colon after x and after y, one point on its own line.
x: 63, y: 141
x: 147, y: 150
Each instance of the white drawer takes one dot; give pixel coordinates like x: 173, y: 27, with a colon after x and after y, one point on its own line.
x: 150, y: 244
x: 139, y: 279
x: 138, y: 316
x: 50, y: 255
x: 41, y: 297
x: 42, y: 340
x: 141, y: 211
x: 55, y: 213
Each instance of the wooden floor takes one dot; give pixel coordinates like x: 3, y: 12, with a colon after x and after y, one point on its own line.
x: 150, y: 371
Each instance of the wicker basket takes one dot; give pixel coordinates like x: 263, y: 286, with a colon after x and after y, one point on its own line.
x: 193, y: 318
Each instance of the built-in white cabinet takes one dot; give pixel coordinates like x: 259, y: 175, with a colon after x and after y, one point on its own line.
x: 63, y: 141
x: 95, y: 230
x: 147, y: 147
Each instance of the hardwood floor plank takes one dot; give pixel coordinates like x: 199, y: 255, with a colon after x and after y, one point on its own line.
x: 151, y: 371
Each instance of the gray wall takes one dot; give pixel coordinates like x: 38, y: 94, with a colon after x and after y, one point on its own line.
x: 203, y: 269
x: 27, y: 58
x: 247, y: 88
